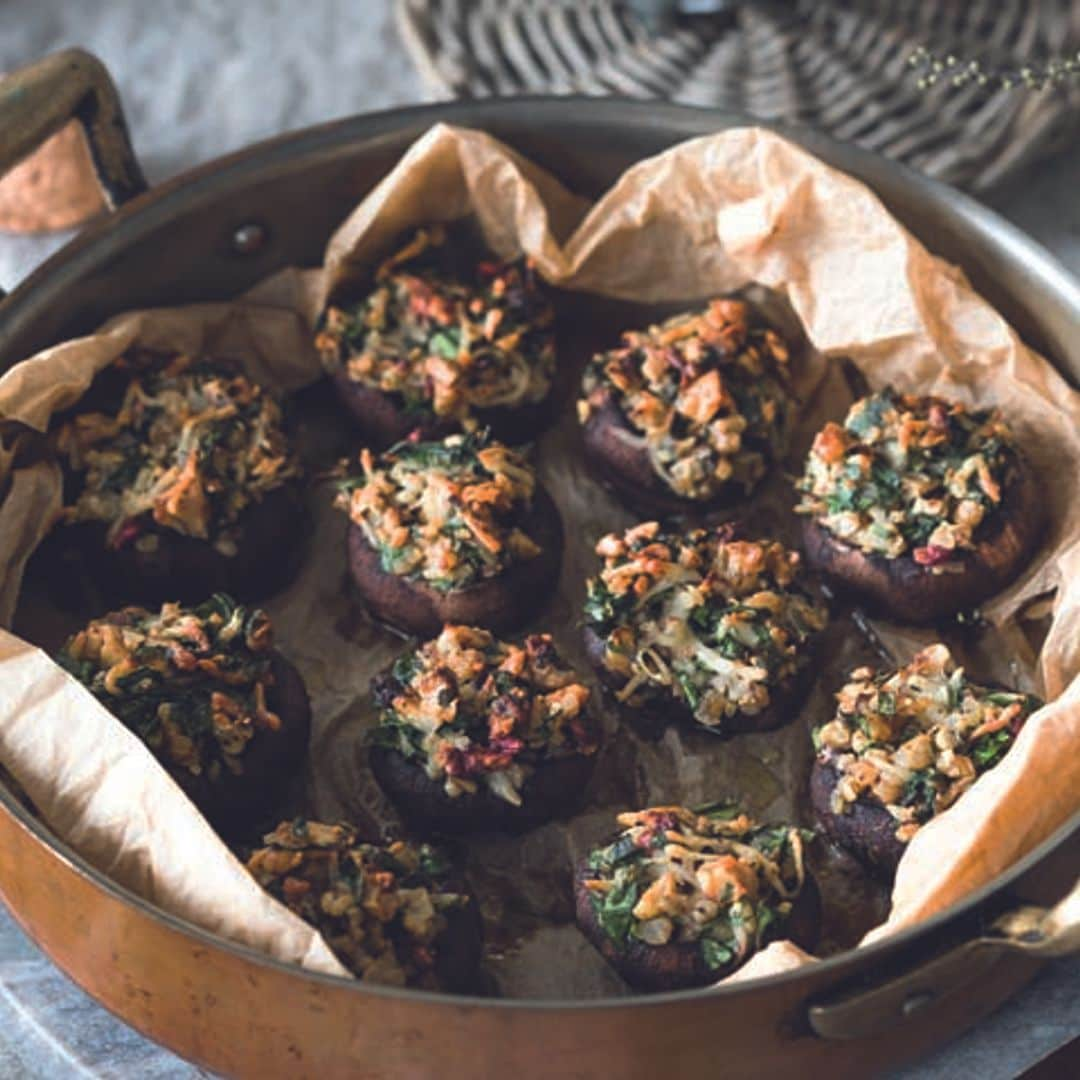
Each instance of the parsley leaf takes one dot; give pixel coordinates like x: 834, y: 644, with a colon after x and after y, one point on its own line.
x: 446, y: 343
x: 614, y: 910
x: 870, y: 415
x: 990, y: 749
x: 689, y: 690
x: 715, y: 953
x: 920, y: 792
x: 601, y: 605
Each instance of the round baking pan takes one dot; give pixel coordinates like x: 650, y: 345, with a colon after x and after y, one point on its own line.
x: 230, y: 223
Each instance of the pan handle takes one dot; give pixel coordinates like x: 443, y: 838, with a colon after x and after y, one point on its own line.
x: 37, y: 100
x: 1039, y: 933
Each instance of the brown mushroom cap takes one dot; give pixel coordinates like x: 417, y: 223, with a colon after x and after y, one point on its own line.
x: 680, y: 965
x: 909, y: 592
x: 502, y: 602
x: 867, y: 829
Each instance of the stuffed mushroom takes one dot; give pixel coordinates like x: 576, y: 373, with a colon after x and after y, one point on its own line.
x: 703, y: 626
x: 223, y: 711
x: 391, y: 913
x: 179, y: 482
x: 456, y: 531
x: 478, y: 734
x: 443, y: 343
x: 689, y: 414
x: 919, y: 505
x: 903, y: 746
x: 682, y: 898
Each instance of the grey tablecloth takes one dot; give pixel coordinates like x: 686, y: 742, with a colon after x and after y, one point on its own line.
x: 207, y: 76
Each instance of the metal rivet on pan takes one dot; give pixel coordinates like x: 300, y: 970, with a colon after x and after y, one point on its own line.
x: 916, y: 1002
x: 248, y: 239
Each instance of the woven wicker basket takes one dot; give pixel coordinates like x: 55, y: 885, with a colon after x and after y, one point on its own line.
x: 838, y: 65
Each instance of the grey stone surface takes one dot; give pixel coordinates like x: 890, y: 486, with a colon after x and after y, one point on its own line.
x: 210, y: 76
x: 49, y: 1028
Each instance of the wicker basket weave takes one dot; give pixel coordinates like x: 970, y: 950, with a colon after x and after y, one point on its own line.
x: 837, y: 65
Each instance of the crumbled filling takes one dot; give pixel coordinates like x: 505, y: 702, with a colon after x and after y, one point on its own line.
x: 445, y: 513
x: 713, y: 621
x: 381, y: 909
x: 914, y: 740
x: 193, y: 443
x: 445, y: 345
x: 909, y: 475
x: 709, y: 393
x: 192, y: 682
x: 473, y: 710
x: 714, y: 877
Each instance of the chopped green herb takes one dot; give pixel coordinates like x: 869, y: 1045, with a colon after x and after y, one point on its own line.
x: 990, y: 749
x: 739, y: 371
x: 904, y: 468
x: 614, y: 909
x: 920, y: 792
x: 446, y: 343
x: 715, y: 954
x: 689, y: 691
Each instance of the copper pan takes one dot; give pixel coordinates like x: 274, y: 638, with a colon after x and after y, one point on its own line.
x: 210, y: 234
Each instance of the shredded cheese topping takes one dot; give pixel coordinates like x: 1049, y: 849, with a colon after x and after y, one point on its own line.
x: 473, y: 710
x: 381, y: 909
x: 191, y: 445
x: 191, y: 682
x: 446, y: 345
x: 909, y: 475
x: 709, y: 393
x: 914, y: 740
x: 712, y: 621
x: 446, y: 513
x: 713, y: 877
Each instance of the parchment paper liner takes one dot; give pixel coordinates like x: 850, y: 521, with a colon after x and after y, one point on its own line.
x: 706, y: 217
